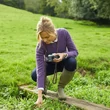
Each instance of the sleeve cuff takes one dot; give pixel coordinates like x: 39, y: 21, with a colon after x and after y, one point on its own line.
x: 41, y: 88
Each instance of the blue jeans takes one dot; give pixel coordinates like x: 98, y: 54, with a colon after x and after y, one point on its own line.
x: 69, y: 64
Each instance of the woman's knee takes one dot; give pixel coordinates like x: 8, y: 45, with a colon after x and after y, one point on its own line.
x: 34, y: 75
x: 70, y: 64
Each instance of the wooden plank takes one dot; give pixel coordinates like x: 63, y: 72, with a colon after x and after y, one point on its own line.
x: 71, y: 101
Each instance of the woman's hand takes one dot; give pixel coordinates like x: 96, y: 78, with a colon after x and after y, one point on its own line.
x: 61, y: 57
x: 39, y: 100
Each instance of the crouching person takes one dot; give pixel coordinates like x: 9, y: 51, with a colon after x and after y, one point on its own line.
x: 55, y: 52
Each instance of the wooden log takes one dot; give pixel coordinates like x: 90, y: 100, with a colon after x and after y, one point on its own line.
x: 70, y: 101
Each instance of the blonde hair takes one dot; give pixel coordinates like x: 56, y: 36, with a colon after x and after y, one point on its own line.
x: 45, y: 24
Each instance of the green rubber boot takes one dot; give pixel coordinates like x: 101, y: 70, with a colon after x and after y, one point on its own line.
x: 65, y: 78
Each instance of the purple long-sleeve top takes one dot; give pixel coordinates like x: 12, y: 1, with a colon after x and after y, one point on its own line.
x: 65, y: 45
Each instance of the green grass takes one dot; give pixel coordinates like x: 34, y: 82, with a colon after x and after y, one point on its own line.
x: 17, y: 60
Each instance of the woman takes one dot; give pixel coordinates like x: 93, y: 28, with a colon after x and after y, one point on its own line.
x: 53, y: 43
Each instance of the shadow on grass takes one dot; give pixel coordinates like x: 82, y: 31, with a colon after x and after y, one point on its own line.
x: 92, y: 23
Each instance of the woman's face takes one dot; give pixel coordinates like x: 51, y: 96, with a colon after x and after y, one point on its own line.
x: 47, y: 38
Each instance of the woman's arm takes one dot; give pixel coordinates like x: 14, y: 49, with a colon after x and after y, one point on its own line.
x: 72, y: 50
x: 40, y: 64
x: 39, y: 100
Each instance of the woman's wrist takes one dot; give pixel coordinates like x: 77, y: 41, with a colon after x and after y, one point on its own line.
x: 39, y: 93
x: 65, y: 55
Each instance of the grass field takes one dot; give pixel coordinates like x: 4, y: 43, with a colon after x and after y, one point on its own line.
x: 17, y: 60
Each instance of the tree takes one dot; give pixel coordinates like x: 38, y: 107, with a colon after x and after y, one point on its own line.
x: 13, y: 3
x: 60, y: 7
x: 102, y: 7
x: 32, y: 5
x: 38, y: 6
x: 81, y: 9
x: 95, y: 10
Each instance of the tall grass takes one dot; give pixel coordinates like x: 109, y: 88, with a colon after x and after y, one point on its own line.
x: 17, y: 60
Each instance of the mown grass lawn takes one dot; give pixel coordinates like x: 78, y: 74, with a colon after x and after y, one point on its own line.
x: 17, y: 60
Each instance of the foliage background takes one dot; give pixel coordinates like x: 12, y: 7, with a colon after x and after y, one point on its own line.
x: 94, y: 10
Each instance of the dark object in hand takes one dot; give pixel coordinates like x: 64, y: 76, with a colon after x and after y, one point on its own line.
x: 51, y: 57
